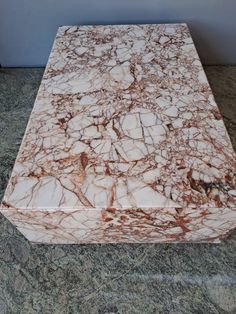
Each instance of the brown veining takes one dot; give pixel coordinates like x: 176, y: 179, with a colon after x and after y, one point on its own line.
x: 125, y: 143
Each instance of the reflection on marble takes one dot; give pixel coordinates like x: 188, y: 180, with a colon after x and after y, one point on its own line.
x: 125, y: 143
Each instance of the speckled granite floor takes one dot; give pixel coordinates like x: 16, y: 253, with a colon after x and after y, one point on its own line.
x: 92, y: 279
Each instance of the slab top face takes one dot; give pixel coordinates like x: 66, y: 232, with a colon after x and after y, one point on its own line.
x: 124, y: 118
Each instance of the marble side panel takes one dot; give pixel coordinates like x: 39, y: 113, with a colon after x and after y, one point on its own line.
x: 153, y: 225
x: 125, y: 143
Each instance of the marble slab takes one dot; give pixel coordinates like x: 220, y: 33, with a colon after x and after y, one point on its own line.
x: 125, y: 143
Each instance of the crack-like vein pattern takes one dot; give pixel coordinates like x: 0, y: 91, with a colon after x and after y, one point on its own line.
x: 135, y: 225
x: 126, y: 137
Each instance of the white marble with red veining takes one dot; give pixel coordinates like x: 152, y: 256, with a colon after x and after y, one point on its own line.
x: 125, y: 143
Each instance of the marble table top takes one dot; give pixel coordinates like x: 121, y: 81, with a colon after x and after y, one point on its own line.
x: 124, y: 118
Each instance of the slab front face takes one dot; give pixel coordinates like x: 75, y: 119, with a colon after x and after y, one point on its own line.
x: 125, y: 143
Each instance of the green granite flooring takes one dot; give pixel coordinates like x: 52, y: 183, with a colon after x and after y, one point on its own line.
x: 146, y: 278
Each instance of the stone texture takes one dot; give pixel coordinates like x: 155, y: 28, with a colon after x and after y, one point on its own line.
x: 87, y: 279
x: 125, y: 143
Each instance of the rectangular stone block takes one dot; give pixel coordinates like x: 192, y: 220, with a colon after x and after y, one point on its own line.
x: 125, y: 143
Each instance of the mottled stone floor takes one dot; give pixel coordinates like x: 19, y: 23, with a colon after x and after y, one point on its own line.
x: 101, y: 279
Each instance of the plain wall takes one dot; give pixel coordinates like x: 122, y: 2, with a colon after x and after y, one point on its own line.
x: 28, y: 27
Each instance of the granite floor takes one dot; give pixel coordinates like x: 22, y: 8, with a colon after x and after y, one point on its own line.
x: 49, y: 279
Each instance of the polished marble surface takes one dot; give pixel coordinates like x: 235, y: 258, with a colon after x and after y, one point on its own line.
x: 125, y: 143
x: 137, y: 278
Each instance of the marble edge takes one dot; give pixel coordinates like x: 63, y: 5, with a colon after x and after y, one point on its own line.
x: 183, y: 242
x: 122, y: 24
x: 28, y: 122
x: 5, y: 207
